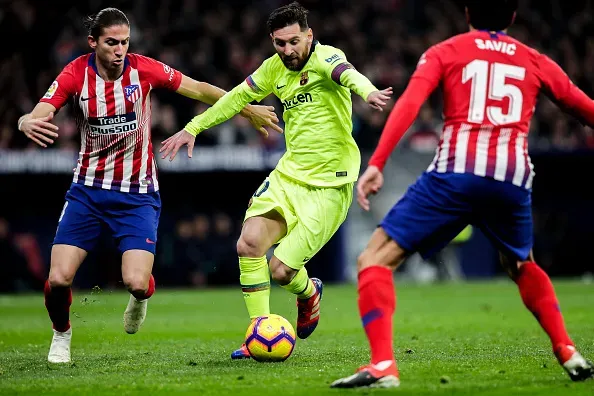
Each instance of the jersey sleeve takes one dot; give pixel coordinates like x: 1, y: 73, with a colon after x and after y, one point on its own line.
x: 400, y: 119
x: 559, y: 87
x: 334, y: 63
x: 255, y: 87
x: 159, y: 74
x: 63, y: 87
x: 423, y: 82
x: 260, y: 81
x: 430, y: 67
x: 335, y: 66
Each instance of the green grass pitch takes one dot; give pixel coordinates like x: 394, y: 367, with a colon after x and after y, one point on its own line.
x: 452, y: 339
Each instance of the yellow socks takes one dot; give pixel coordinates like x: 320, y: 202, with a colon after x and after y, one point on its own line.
x: 301, y: 285
x: 255, y: 285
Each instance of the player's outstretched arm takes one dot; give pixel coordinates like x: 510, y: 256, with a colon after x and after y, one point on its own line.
x: 36, y: 125
x: 361, y: 85
x: 258, y: 116
x: 336, y: 67
x: 425, y: 79
x: 378, y: 99
x: 561, y: 90
x: 401, y: 117
x: 225, y: 108
x: 199, y: 90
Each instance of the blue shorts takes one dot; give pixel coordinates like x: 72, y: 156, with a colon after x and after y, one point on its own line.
x: 132, y: 219
x: 438, y: 206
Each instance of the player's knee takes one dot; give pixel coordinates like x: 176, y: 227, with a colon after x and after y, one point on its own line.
x: 282, y: 274
x: 512, y: 265
x: 60, y: 279
x: 365, y: 260
x: 136, y: 283
x: 381, y: 251
x: 249, y: 246
x: 65, y: 261
x: 371, y: 258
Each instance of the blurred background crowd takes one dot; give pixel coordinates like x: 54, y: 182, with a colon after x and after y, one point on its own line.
x: 222, y: 42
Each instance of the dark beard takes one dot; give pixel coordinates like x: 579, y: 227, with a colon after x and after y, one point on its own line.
x: 294, y: 67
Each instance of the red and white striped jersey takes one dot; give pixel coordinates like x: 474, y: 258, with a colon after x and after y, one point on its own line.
x: 490, y: 83
x: 114, y: 119
x: 495, y: 152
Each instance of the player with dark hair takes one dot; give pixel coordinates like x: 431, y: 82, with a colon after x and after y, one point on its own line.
x: 481, y: 174
x: 115, y: 181
x: 307, y: 196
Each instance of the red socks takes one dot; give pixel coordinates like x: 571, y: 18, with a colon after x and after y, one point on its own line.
x: 57, y: 302
x: 377, y: 302
x: 59, y: 299
x: 149, y: 292
x: 539, y: 297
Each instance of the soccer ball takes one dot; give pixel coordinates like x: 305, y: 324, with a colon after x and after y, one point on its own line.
x: 270, y: 338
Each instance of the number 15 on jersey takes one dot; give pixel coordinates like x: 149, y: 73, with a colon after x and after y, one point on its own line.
x: 493, y: 81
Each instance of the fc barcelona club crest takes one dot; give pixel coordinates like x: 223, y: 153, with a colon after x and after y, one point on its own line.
x: 132, y: 92
x: 304, y: 78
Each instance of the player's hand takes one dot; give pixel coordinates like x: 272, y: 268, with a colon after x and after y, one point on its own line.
x: 171, y: 145
x: 369, y: 183
x: 262, y: 117
x: 40, y: 130
x: 378, y: 99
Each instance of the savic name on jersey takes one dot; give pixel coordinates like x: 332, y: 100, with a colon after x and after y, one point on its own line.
x: 495, y: 45
x: 114, y: 124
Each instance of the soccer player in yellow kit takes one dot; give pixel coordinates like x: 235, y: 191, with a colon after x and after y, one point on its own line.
x: 306, y: 198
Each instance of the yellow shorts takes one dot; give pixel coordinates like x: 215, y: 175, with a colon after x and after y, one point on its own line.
x: 313, y: 214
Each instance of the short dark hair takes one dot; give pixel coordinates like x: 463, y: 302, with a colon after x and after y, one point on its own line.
x: 286, y: 16
x: 103, y: 19
x: 491, y: 14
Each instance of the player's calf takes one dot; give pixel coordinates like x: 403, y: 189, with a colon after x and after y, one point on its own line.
x: 57, y: 293
x: 57, y: 302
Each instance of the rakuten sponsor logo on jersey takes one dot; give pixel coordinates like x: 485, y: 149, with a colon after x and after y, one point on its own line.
x: 297, y: 100
x: 114, y: 124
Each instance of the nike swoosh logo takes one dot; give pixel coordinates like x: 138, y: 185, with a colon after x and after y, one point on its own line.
x: 149, y: 241
x: 85, y: 99
x: 282, y: 86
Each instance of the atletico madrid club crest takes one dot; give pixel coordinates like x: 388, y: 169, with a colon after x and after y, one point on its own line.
x: 304, y: 78
x: 132, y: 92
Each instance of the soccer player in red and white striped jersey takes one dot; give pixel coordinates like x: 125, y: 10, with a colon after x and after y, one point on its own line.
x: 481, y: 174
x: 115, y: 181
